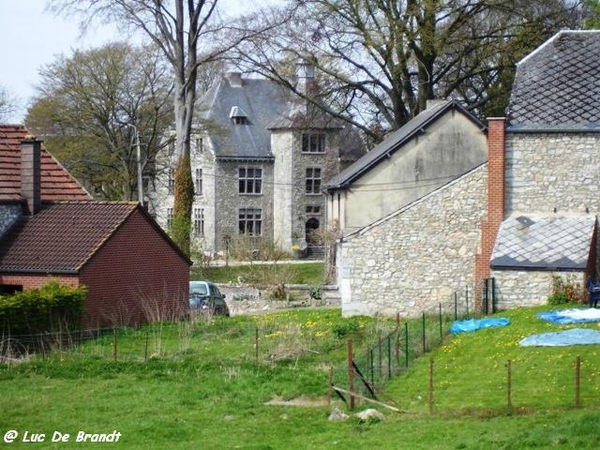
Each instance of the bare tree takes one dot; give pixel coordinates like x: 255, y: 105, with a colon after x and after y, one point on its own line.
x: 190, y: 33
x: 8, y: 104
x: 93, y: 105
x: 380, y: 61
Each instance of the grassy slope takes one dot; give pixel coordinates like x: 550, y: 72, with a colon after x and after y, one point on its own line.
x: 210, y: 394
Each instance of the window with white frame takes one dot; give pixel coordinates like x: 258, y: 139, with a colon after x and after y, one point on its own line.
x: 250, y: 180
x: 198, y: 222
x: 313, y: 180
x: 250, y: 221
x: 198, y: 187
x: 313, y: 143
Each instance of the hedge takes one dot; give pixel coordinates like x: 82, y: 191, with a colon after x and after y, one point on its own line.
x: 51, y: 308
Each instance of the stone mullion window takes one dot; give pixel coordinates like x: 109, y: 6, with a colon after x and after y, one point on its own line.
x: 250, y: 221
x: 250, y: 180
x: 199, y: 222
x: 313, y: 143
x: 313, y: 180
x: 198, y: 182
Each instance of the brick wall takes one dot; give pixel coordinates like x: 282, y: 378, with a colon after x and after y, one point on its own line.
x: 29, y: 282
x: 135, y: 271
x: 495, y: 198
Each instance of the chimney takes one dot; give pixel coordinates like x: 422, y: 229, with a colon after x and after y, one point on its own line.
x: 495, y: 200
x: 31, y: 174
x: 496, y: 169
x: 234, y: 78
x: 305, y: 76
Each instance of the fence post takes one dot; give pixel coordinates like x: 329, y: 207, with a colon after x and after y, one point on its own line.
x: 508, y: 384
x: 351, y: 373
x: 578, y: 382
x: 256, y: 351
x: 380, y: 356
x: 455, y: 305
x: 114, y: 344
x: 441, y: 324
x: 406, y: 344
x: 146, y: 348
x: 424, y: 335
x: 389, y: 355
x: 330, y: 391
x: 430, y: 397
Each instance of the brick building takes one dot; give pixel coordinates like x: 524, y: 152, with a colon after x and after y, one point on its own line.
x: 51, y: 228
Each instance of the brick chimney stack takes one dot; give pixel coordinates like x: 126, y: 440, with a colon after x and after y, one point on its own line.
x: 31, y: 174
x: 496, y: 197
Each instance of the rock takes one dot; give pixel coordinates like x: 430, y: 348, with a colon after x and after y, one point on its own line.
x: 370, y: 415
x: 336, y: 414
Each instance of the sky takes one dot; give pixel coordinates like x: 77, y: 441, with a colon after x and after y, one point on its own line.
x: 32, y: 38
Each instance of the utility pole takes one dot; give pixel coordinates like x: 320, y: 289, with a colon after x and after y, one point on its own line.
x: 140, y: 182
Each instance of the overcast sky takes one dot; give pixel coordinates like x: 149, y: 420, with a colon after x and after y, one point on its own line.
x: 31, y: 38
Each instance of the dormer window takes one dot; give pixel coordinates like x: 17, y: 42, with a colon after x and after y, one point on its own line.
x: 238, y: 116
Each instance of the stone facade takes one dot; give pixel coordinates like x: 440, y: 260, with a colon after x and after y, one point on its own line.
x: 8, y: 215
x: 545, y: 171
x: 516, y: 288
x: 417, y: 257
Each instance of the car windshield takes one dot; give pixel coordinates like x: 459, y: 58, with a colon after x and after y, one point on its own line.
x: 199, y: 289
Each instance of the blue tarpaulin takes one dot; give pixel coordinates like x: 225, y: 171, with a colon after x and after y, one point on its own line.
x: 575, y: 336
x: 465, y: 326
x: 573, y: 315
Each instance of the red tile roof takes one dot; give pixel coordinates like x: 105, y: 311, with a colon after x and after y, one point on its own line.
x: 57, y: 183
x: 62, y: 236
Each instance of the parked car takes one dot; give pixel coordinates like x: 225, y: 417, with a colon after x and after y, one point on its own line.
x: 205, y: 297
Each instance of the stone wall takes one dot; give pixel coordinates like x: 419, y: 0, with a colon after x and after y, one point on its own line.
x: 516, y: 289
x: 552, y: 170
x: 415, y: 259
x: 8, y: 215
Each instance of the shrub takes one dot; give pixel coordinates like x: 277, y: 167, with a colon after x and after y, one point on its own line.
x: 47, y: 309
x: 565, y: 291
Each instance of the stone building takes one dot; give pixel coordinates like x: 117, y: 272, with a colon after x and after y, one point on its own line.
x: 410, y: 212
x: 259, y: 160
x: 544, y: 167
x: 524, y: 217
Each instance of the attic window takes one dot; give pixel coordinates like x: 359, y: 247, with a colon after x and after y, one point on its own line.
x: 238, y: 116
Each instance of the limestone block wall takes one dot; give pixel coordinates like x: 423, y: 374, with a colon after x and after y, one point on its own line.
x: 516, y: 289
x: 414, y: 259
x: 552, y: 170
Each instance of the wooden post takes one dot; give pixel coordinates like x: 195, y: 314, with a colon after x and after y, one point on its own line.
x: 508, y: 384
x: 256, y: 353
x: 146, y: 348
x: 578, y: 382
x: 114, y: 344
x: 330, y: 391
x: 351, y: 373
x: 430, y: 400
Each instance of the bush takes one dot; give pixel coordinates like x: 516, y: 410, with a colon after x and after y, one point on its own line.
x: 565, y: 291
x: 47, y: 309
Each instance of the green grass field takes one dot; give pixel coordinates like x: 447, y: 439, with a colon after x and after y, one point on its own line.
x: 204, y: 385
x: 300, y: 273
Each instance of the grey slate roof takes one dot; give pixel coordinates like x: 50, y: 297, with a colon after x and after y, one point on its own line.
x: 395, y: 141
x: 557, y: 87
x: 264, y: 104
x: 544, y: 242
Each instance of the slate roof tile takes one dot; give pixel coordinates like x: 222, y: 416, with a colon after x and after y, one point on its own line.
x: 544, y: 242
x: 557, y: 87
